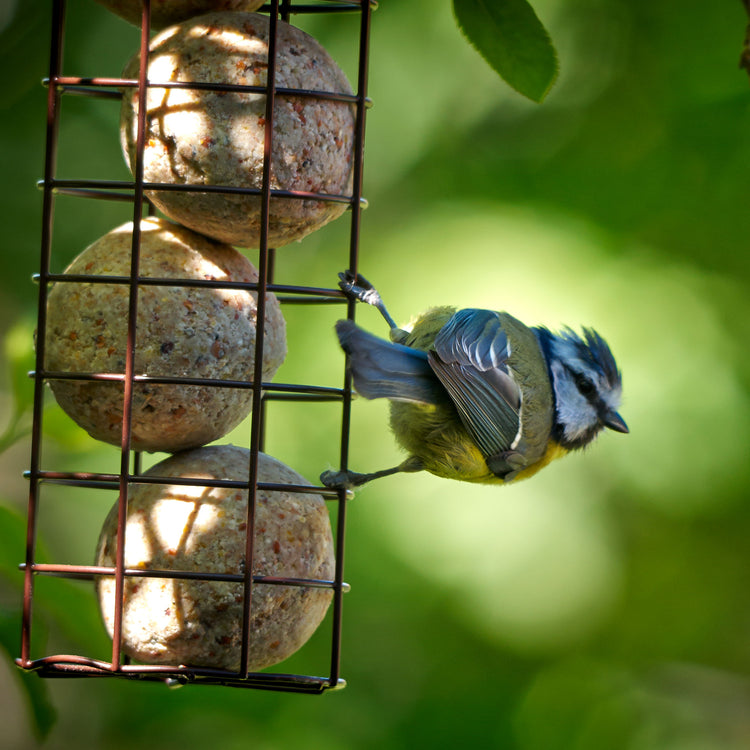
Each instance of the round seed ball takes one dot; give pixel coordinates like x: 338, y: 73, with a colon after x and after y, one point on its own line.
x: 181, y: 331
x: 200, y: 137
x: 201, y: 529
x: 166, y: 12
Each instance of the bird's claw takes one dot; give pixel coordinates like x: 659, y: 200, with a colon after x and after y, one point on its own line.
x: 339, y: 480
x: 507, y: 464
x: 358, y: 288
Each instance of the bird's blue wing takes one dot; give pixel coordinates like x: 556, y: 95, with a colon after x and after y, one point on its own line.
x: 473, y: 337
x: 469, y: 358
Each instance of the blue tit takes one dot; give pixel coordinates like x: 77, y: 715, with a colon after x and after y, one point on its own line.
x: 478, y: 396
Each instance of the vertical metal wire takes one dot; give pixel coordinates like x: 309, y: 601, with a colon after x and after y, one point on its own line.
x: 127, y: 411
x: 358, y: 166
x: 256, y: 419
x: 48, y: 204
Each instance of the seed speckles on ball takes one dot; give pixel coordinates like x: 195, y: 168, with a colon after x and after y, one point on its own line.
x: 202, y: 137
x: 184, y: 331
x: 203, y: 529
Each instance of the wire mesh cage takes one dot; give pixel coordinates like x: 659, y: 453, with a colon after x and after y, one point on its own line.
x: 264, y: 394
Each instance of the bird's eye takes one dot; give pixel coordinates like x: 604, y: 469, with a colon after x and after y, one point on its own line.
x: 585, y: 386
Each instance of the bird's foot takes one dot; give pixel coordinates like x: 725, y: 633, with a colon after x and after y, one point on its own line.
x: 342, y: 480
x: 507, y: 464
x: 359, y: 289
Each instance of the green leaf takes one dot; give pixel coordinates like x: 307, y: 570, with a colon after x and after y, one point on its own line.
x: 510, y: 37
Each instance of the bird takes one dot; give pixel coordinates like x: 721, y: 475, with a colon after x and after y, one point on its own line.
x: 475, y: 394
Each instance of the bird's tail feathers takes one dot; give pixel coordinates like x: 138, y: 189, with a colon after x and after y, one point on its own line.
x: 382, y: 369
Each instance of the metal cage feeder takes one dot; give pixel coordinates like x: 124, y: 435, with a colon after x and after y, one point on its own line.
x: 120, y: 666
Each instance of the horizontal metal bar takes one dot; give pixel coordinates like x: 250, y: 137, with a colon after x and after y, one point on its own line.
x: 321, y: 391
x: 307, y: 295
x: 346, y: 5
x: 106, y: 190
x: 90, y: 572
x: 105, y: 195
x: 108, y: 481
x: 79, y: 85
x: 69, y: 665
x: 80, y: 278
x: 99, y: 185
x: 300, y: 397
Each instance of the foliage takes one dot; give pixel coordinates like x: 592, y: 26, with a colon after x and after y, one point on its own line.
x: 508, y: 34
x: 603, y: 603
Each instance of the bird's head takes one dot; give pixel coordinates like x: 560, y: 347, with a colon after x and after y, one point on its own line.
x: 586, y: 383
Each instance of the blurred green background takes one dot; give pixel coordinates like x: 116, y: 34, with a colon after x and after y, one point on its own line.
x: 603, y: 604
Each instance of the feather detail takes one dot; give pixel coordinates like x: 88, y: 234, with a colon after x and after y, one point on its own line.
x: 481, y: 401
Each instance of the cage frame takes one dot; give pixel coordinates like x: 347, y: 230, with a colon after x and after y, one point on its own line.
x: 72, y: 665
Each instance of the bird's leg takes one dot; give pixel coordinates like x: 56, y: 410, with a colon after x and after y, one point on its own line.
x: 349, y: 479
x: 337, y: 480
x: 360, y: 289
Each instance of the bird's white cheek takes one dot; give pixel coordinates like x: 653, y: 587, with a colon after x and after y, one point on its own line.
x: 574, y: 412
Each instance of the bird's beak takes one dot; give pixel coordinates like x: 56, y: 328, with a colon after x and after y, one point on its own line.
x: 613, y: 421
